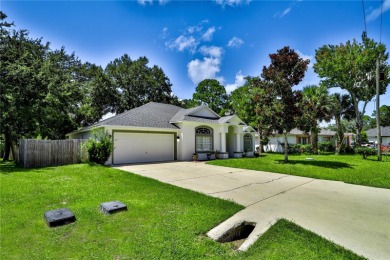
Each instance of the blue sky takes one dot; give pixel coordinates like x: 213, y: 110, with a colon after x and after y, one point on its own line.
x: 193, y: 40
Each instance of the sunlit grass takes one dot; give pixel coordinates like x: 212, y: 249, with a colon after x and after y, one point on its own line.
x: 347, y: 168
x: 162, y: 221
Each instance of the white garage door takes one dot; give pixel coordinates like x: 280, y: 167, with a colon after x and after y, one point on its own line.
x: 143, y: 147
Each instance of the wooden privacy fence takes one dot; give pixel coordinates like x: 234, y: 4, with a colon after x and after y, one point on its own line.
x: 40, y: 153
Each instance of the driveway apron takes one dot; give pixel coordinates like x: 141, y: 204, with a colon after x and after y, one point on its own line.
x: 356, y: 217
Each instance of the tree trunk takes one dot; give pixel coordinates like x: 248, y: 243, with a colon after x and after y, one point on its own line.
x: 358, y: 117
x: 260, y: 139
x: 339, y: 134
x: 7, y: 147
x: 285, y: 148
x: 314, y: 140
x: 14, y: 151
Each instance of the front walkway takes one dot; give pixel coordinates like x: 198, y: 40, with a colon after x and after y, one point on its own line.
x: 356, y: 217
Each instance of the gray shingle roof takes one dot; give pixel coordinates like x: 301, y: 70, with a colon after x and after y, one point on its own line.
x: 157, y: 115
x: 323, y: 132
x: 180, y: 115
x: 149, y: 115
x: 385, y: 131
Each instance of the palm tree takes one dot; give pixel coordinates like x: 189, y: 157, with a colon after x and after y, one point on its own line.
x: 316, y: 107
x: 342, y: 108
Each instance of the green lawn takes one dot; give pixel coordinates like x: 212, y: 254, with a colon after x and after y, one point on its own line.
x: 163, y: 221
x: 347, y: 168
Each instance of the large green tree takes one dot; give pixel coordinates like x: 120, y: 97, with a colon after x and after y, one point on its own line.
x: 211, y: 93
x: 262, y: 109
x: 317, y: 107
x: 384, y: 115
x: 351, y: 66
x: 137, y: 84
x: 286, y: 70
x: 242, y: 102
x: 99, y: 94
x: 21, y: 83
x: 61, y: 94
x: 342, y: 108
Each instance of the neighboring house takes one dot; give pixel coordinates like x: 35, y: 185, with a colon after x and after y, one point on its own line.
x: 297, y: 136
x: 160, y: 132
x: 385, y: 133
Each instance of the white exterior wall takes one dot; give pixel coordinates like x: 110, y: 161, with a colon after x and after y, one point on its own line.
x: 186, y: 145
x: 83, y: 135
x: 385, y: 140
x: 274, y: 146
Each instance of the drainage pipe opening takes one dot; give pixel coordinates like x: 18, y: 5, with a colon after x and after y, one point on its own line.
x: 238, y: 233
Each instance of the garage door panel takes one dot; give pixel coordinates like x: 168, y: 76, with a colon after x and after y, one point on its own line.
x: 143, y: 147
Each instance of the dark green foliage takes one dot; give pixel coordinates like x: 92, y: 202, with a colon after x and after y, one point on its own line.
x: 369, y: 122
x: 326, y: 146
x: 364, y: 137
x: 307, y: 148
x: 22, y: 85
x: 347, y: 66
x: 286, y: 70
x: 365, y: 151
x: 137, y: 84
x: 211, y: 93
x: 99, y: 147
x: 294, y: 148
x: 316, y: 106
x: 300, y: 148
x: 342, y: 108
x: 50, y: 93
x: 384, y: 115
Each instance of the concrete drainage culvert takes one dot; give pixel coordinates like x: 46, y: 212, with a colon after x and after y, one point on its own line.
x: 238, y: 234
x: 241, y: 232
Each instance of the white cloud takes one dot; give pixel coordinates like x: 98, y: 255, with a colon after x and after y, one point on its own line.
x: 163, y: 2
x: 212, y: 51
x: 193, y: 29
x: 183, y: 42
x: 238, y: 82
x: 223, y: 3
x: 208, y: 35
x: 306, y: 57
x: 144, y: 2
x: 282, y: 14
x: 191, y: 38
x: 235, y: 42
x: 164, y: 33
x: 207, y: 68
x: 377, y: 12
x: 286, y: 12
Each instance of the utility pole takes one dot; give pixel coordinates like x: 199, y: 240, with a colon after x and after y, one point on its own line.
x: 378, y: 120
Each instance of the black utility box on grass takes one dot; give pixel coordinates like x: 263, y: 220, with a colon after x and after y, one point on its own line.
x: 112, y: 207
x: 59, y: 217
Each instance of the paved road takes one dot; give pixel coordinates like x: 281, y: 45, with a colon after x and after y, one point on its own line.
x: 356, y: 217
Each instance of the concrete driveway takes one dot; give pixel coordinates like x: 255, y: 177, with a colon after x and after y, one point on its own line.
x: 356, y: 217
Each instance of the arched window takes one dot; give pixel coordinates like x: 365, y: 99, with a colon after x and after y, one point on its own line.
x: 248, y: 143
x: 203, y: 139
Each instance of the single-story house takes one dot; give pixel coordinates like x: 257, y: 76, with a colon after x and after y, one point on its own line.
x: 296, y: 136
x: 158, y: 132
x: 385, y: 133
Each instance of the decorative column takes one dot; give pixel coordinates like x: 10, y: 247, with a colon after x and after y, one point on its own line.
x: 238, y: 142
x: 223, y: 142
x: 223, y: 154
